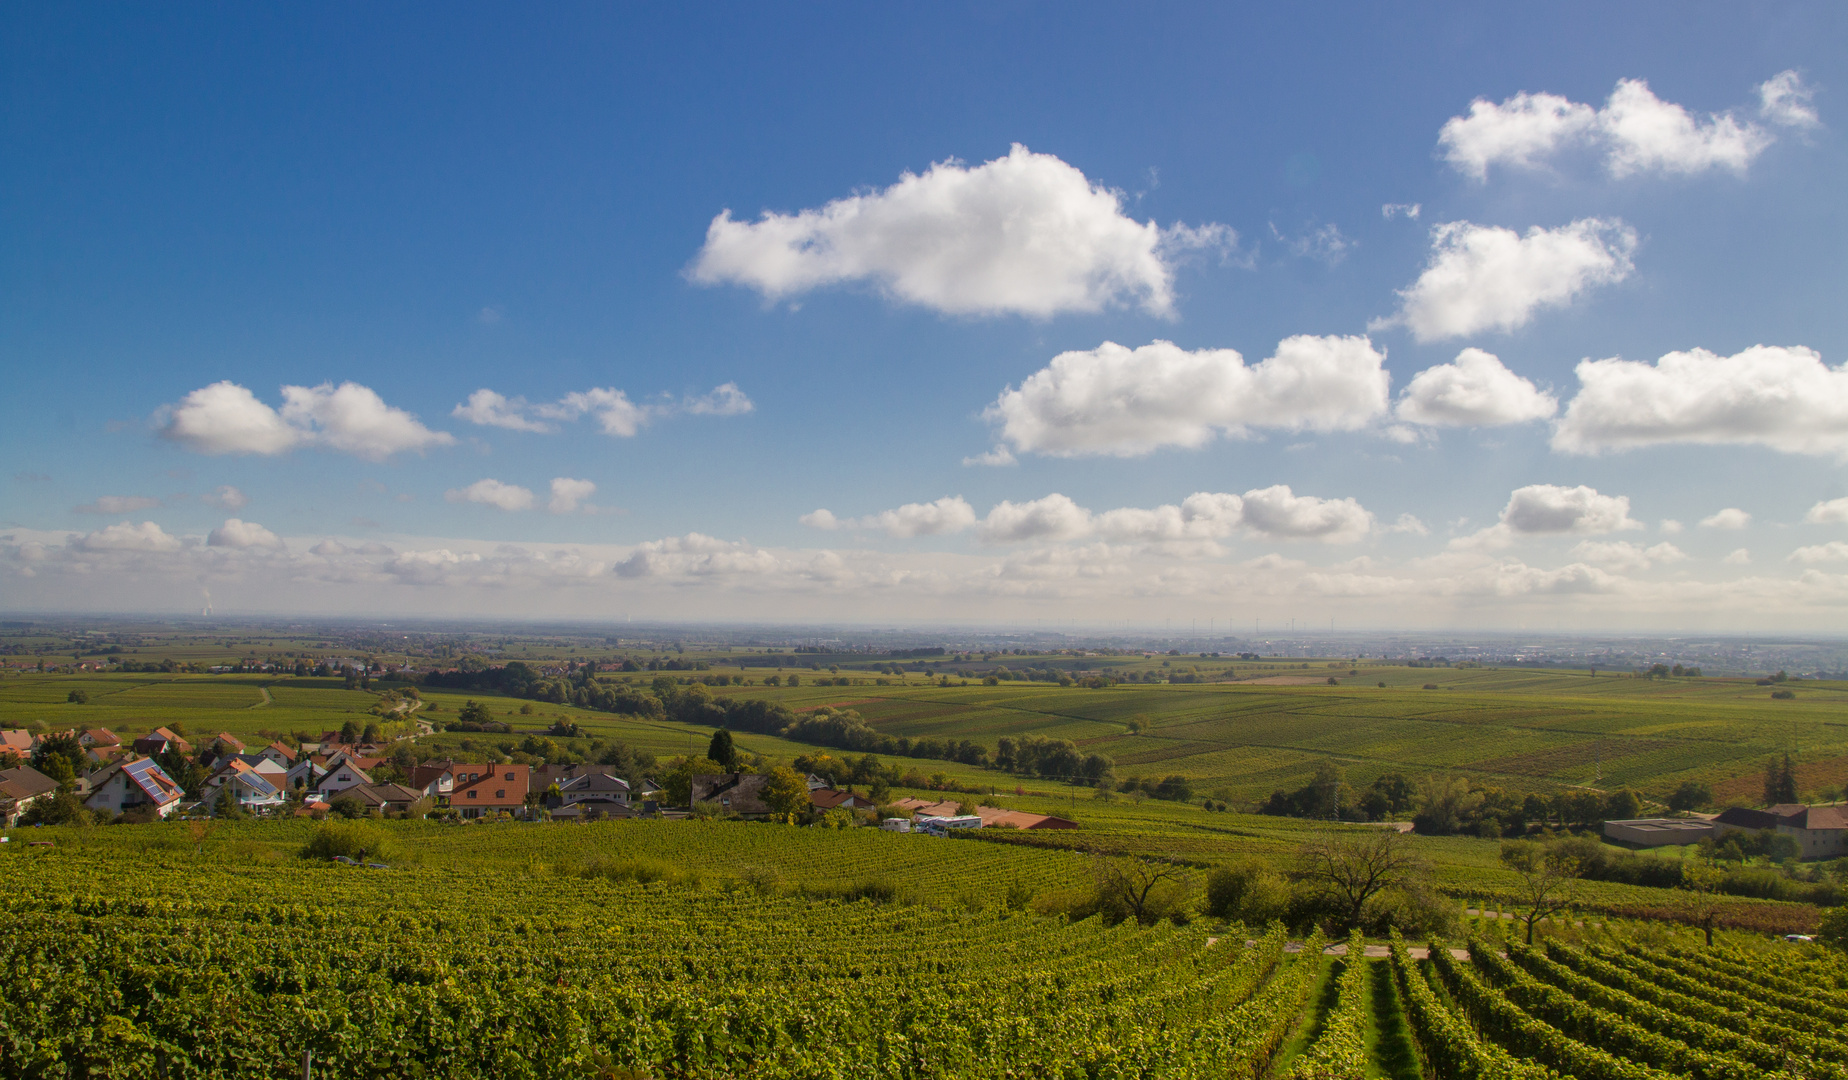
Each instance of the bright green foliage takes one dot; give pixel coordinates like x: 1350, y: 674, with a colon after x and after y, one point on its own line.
x: 1446, y: 1039
x: 1340, y: 1051
x: 389, y: 973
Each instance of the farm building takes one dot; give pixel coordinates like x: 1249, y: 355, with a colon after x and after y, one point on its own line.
x: 1658, y: 832
x: 1821, y: 832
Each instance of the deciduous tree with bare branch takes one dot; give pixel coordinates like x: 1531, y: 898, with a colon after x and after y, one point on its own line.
x: 1549, y: 878
x: 1354, y: 867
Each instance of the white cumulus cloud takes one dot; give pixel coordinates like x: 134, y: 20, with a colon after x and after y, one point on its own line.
x: 1833, y: 551
x: 1738, y: 557
x: 1521, y: 131
x: 1635, y: 131
x: 1645, y: 132
x: 1623, y: 555
x: 1474, y: 390
x: 615, y: 413
x: 1126, y: 402
x: 1024, y: 234
x: 124, y: 536
x: 491, y: 409
x: 568, y: 494
x: 1276, y: 512
x: 225, y: 418
x: 227, y: 497
x: 724, y: 400
x: 1540, y: 509
x: 1730, y: 518
x: 242, y: 535
x: 1784, y: 99
x: 1783, y: 398
x: 950, y: 514
x: 491, y: 492
x: 1832, y: 512
x: 946, y: 515
x: 1484, y: 277
x: 1054, y: 517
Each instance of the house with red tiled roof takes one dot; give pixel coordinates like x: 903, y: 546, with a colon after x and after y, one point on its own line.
x: 17, y: 741
x: 486, y: 790
x: 928, y: 808
x: 830, y: 799
x: 342, y: 773
x: 279, y: 754
x: 97, y: 738
x: 161, y: 741
x: 20, y: 787
x: 384, y: 797
x: 993, y: 817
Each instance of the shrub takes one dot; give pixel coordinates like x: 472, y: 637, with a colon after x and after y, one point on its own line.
x: 1247, y: 891
x: 1783, y: 695
x: 352, y: 840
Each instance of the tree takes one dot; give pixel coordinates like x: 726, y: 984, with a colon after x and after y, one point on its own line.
x: 1691, y: 795
x: 1622, y: 805
x: 1140, y: 888
x: 721, y: 749
x: 226, y: 805
x: 371, y: 734
x: 1702, y: 881
x: 1549, y: 876
x: 60, y: 757
x: 474, y: 712
x: 349, y: 732
x: 1780, y: 782
x: 1248, y: 890
x: 78, y: 697
x: 62, y: 807
x: 786, y: 792
x: 1352, y: 870
x: 677, y: 785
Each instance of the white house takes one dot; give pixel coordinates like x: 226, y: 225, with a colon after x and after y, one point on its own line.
x: 341, y: 774
x: 131, y: 784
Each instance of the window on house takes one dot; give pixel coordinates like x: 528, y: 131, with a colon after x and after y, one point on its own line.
x: 500, y: 793
x: 509, y: 776
x: 473, y: 794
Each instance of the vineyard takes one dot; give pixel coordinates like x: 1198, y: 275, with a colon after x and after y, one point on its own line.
x: 553, y: 953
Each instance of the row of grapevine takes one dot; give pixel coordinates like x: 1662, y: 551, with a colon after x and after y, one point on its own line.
x: 1247, y: 1037
x: 1731, y: 1053
x: 1523, y: 1034
x: 1746, y: 1031
x: 1447, y: 1041
x: 1765, y: 983
x: 1655, y: 969
x: 1340, y: 1050
x: 119, y: 966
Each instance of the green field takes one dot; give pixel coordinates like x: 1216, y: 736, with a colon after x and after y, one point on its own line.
x: 1521, y: 730
x: 686, y: 949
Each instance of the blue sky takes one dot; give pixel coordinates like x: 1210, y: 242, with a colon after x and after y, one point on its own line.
x: 432, y: 202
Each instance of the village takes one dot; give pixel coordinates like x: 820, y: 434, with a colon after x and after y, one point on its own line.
x: 335, y: 776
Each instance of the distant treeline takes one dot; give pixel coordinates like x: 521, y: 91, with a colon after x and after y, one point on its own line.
x: 668, y: 699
